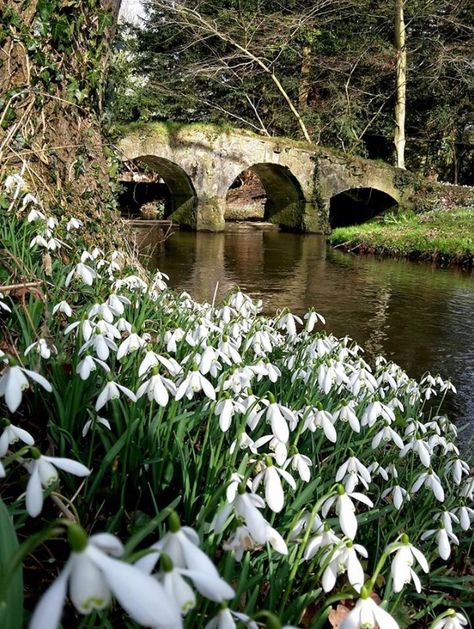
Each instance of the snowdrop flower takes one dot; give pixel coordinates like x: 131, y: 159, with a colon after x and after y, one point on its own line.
x: 458, y: 468
x: 443, y: 538
x: 3, y: 305
x: 74, y: 223
x: 451, y: 619
x: 63, y: 307
x: 88, y: 364
x: 311, y: 319
x: 225, y: 410
x: 421, y: 448
x: 351, y: 472
x: 27, y: 200
x: 41, y: 348
x: 325, y: 538
x: 82, y: 271
x: 34, y: 215
x: 228, y: 619
x: 11, y: 434
x: 104, y: 312
x: 281, y: 419
x: 376, y: 469
x: 447, y: 518
x: 387, y: 434
x: 175, y: 586
x: 192, y: 384
x: 43, y: 473
x: 399, y: 495
x: 274, y: 494
x: 465, y: 515
x: 132, y: 343
x: 319, y: 419
x: 375, y: 410
x: 101, y: 344
x: 14, y: 381
x: 173, y: 338
x: 157, y: 388
x: 117, y: 303
x: 345, y: 509
x: 93, y: 577
x: 300, y: 463
x: 368, y: 615
x: 14, y: 182
x: 181, y: 544
x: 288, y: 322
x: 430, y: 480
x: 112, y: 391
x: 401, y: 570
x: 346, y: 414
x: 95, y: 422
x: 239, y: 542
x: 345, y: 559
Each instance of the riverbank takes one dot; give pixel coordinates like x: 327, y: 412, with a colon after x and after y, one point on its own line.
x: 441, y: 236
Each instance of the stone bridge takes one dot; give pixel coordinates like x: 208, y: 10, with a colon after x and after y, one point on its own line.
x: 308, y: 188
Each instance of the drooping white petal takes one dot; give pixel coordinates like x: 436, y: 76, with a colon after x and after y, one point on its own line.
x: 87, y: 587
x: 48, y: 611
x: 34, y: 493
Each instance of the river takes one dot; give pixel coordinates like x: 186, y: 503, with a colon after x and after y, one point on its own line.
x: 419, y: 316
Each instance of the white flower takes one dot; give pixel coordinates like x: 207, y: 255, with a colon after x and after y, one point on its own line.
x: 132, y: 343
x: 43, y: 473
x: 181, y: 545
x: 324, y: 538
x: 14, y: 381
x: 312, y: 318
x: 156, y: 388
x: 63, y: 307
x: 27, y: 199
x: 228, y: 619
x: 449, y: 620
x: 421, y: 448
x: 14, y: 182
x: 353, y: 471
x: 431, y: 480
x: 443, y: 538
x: 11, y: 434
x: 458, y: 468
x: 94, y: 577
x: 3, y: 305
x: 74, y: 223
x: 193, y: 383
x: 387, y: 434
x: 34, y: 215
x: 88, y: 364
x: 225, y: 410
x: 345, y: 509
x: 82, y: 271
x: 344, y: 559
x: 111, y: 391
x: 278, y: 416
x: 41, y: 348
x: 346, y: 414
x: 398, y: 495
x: 402, y: 572
x: 300, y: 463
x: 240, y: 541
x: 274, y: 494
x: 368, y: 615
x: 465, y: 515
x: 102, y: 345
x: 94, y: 422
x: 375, y: 410
x: 317, y: 419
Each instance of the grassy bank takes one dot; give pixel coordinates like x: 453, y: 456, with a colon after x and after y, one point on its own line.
x: 443, y: 236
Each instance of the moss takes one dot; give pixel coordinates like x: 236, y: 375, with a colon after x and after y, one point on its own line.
x: 443, y: 236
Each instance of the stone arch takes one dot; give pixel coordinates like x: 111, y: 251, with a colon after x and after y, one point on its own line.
x: 357, y: 204
x: 181, y: 201
x: 285, y: 201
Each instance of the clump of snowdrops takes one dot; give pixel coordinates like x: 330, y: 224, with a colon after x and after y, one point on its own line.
x: 259, y: 469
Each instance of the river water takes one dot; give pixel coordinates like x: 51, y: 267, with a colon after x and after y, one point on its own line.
x: 417, y: 315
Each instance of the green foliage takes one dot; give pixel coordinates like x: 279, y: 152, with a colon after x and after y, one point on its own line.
x: 11, y: 587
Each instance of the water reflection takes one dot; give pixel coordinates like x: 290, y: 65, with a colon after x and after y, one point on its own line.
x: 419, y: 316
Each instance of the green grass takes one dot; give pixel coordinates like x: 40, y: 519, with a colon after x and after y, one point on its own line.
x: 444, y: 236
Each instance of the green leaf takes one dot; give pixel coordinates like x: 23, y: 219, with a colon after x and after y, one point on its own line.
x: 11, y: 594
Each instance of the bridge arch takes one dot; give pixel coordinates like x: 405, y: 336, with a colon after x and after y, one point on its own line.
x: 181, y: 198
x: 355, y: 205
x: 284, y: 199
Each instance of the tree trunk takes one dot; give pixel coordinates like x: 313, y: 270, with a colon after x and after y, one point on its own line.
x: 305, y: 73
x: 401, y: 82
x: 53, y: 61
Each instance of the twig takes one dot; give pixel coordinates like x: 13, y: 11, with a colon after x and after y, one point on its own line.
x: 10, y: 287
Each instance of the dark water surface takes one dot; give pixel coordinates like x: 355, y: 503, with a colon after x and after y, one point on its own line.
x: 420, y: 316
